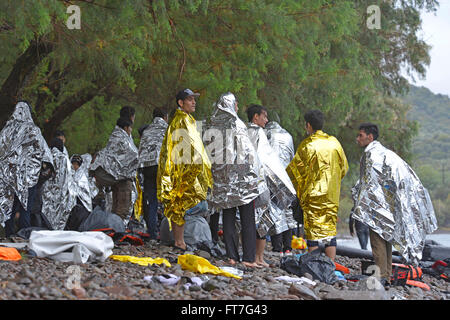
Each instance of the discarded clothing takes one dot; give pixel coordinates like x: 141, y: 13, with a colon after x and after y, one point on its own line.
x: 142, y: 261
x: 392, y: 201
x: 22, y: 153
x: 171, y: 280
x: 296, y: 279
x: 71, y: 246
x: 9, y: 254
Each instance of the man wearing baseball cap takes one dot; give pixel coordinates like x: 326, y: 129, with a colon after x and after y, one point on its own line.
x: 184, y: 169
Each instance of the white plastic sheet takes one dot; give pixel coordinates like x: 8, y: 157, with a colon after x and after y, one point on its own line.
x: 71, y: 246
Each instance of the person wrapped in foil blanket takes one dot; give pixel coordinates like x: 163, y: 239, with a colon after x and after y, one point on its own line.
x: 283, y: 145
x: 23, y: 154
x: 282, y: 192
x: 151, y: 141
x: 391, y: 200
x: 316, y: 171
x: 184, y: 169
x: 59, y: 193
x: 116, y: 166
x: 120, y: 156
x: 86, y: 190
x: 236, y: 169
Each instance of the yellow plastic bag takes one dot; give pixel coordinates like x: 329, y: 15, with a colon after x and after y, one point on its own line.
x: 198, y: 264
x: 143, y: 261
x: 298, y: 243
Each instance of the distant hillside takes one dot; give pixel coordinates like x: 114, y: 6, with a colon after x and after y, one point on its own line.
x: 432, y: 112
x: 431, y: 147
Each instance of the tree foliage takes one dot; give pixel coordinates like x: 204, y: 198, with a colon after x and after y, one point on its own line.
x: 289, y: 55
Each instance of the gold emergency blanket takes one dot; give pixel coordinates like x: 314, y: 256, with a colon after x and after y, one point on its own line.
x: 142, y: 261
x: 198, y: 264
x: 316, y: 172
x: 184, y: 170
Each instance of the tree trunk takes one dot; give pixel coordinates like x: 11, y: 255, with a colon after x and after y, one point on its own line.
x: 65, y: 109
x: 24, y: 65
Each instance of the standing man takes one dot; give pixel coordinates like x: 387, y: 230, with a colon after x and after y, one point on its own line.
x: 283, y: 145
x: 149, y: 149
x: 316, y: 171
x: 391, y: 200
x: 281, y: 189
x: 59, y: 193
x: 184, y: 170
x: 61, y: 135
x: 237, y: 177
x: 116, y: 166
x: 25, y: 159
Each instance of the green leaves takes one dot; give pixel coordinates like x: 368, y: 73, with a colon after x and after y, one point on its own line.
x: 290, y: 55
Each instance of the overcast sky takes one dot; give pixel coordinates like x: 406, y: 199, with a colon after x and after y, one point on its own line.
x: 436, y: 32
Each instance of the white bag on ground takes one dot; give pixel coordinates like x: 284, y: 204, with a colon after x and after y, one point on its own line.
x: 71, y: 246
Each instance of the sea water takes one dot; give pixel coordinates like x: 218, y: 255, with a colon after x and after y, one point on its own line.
x: 352, y: 242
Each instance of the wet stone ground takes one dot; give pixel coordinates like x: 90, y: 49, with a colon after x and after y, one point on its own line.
x: 33, y: 278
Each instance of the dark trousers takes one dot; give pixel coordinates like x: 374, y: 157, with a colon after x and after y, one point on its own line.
x: 248, y: 232
x: 151, y: 201
x: 24, y: 215
x: 214, y: 226
x: 282, y: 242
x: 362, y: 231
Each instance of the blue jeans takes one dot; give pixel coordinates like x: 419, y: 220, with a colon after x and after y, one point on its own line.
x: 202, y: 206
x: 24, y: 215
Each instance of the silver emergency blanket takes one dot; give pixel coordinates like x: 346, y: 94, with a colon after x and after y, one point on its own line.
x: 283, y: 145
x: 59, y: 192
x: 236, y: 169
x: 281, y: 142
x: 392, y: 201
x: 120, y: 156
x: 282, y: 192
x: 151, y: 141
x: 84, y: 188
x: 87, y: 159
x: 22, y: 151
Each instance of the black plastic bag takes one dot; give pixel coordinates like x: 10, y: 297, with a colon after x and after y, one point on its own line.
x: 76, y: 217
x: 315, y: 263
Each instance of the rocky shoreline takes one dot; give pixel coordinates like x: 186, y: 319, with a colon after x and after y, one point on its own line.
x: 33, y: 278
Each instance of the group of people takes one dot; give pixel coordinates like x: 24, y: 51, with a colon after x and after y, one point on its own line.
x: 249, y: 174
